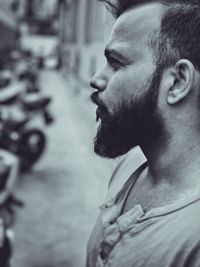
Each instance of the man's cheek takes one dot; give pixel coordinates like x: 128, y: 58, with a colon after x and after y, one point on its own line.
x: 112, y: 98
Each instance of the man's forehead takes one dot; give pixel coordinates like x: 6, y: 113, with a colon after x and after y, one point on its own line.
x: 137, y: 23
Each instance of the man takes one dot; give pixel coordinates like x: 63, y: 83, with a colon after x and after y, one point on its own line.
x: 148, y: 95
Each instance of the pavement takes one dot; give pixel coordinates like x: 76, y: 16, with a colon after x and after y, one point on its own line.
x: 63, y: 191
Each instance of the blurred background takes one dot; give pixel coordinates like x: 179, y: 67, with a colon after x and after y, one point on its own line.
x: 51, y: 182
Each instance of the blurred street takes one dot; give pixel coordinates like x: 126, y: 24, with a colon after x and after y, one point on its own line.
x: 65, y: 187
x: 50, y: 49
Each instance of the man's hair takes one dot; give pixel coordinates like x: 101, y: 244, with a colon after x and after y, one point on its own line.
x: 179, y: 33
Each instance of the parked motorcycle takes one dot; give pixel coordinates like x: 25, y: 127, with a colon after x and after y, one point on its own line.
x: 28, y: 143
x: 5, y: 246
x: 8, y: 202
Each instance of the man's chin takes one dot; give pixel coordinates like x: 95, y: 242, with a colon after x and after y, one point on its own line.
x: 103, y: 152
x: 106, y: 152
x: 110, y: 149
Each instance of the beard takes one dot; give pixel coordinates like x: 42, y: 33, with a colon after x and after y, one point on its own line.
x: 134, y: 123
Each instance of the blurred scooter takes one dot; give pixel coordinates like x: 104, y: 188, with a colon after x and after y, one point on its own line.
x: 5, y: 245
x: 17, y: 110
x: 8, y: 201
x: 28, y: 143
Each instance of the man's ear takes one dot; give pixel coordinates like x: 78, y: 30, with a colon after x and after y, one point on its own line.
x: 183, y: 81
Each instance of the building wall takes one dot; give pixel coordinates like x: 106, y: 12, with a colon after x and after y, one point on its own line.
x: 7, y: 17
x: 43, y: 9
x: 21, y: 8
x: 81, y: 37
x: 8, y: 27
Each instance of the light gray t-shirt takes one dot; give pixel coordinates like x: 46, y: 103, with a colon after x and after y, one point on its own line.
x: 167, y: 236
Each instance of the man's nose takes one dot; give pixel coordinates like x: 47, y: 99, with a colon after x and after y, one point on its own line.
x: 99, y: 81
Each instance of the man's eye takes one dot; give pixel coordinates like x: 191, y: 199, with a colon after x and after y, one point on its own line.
x: 115, y: 64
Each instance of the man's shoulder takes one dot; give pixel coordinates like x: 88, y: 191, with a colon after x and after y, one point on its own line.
x: 181, y: 227
x: 190, y: 219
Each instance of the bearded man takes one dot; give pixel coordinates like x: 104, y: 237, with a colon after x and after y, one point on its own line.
x: 148, y: 95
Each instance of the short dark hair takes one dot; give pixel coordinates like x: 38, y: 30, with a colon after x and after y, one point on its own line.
x: 179, y: 33
x: 117, y: 7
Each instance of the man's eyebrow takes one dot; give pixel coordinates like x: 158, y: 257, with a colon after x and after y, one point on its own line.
x: 111, y: 52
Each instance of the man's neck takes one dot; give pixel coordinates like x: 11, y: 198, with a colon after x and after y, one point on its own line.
x: 175, y: 161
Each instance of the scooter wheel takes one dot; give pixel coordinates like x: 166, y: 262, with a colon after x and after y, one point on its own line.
x: 33, y: 145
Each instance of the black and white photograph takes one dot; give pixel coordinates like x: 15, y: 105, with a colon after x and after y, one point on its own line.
x: 99, y: 133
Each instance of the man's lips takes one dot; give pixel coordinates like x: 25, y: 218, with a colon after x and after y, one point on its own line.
x: 95, y: 99
x: 101, y: 108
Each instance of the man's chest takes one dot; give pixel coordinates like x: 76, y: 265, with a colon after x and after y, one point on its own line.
x: 132, y: 242
x: 148, y: 196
